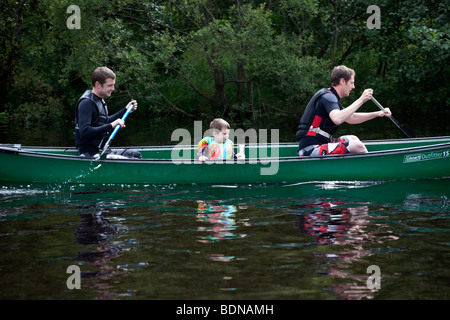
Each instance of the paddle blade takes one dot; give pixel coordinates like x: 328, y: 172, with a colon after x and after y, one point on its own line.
x: 407, y: 131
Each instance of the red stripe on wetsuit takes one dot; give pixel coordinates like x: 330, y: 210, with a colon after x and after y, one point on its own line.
x: 316, y: 123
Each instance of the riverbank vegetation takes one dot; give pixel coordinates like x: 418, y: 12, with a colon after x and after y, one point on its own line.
x: 253, y: 62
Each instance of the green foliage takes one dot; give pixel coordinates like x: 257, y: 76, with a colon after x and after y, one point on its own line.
x: 247, y: 60
x: 36, y: 100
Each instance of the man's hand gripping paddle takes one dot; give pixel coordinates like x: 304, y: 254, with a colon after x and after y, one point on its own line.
x: 407, y: 132
x: 113, y: 134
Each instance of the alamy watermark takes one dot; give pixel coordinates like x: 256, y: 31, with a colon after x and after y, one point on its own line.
x: 74, y: 280
x: 374, y: 21
x: 374, y: 280
x: 74, y: 20
x: 260, y: 151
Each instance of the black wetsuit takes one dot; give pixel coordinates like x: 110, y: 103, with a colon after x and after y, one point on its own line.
x: 92, y: 123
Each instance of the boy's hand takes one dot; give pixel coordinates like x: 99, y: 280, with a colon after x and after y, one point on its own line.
x: 240, y: 156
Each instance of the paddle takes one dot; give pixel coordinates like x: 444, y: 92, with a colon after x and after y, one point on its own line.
x: 406, y: 134
x: 113, y: 134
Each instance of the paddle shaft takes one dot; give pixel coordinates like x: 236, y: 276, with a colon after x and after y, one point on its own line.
x: 113, y: 134
x: 391, y: 117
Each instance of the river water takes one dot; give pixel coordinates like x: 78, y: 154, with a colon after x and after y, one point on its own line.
x: 333, y: 240
x: 321, y: 241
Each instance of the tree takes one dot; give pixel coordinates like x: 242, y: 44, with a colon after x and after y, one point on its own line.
x: 246, y: 60
x: 14, y: 13
x: 229, y: 55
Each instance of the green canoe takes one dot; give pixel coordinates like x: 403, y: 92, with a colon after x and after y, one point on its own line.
x: 417, y: 158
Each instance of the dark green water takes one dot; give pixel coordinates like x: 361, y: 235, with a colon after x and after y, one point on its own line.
x: 308, y: 241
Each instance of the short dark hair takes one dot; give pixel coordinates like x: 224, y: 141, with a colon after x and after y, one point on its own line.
x: 101, y: 74
x: 340, y: 72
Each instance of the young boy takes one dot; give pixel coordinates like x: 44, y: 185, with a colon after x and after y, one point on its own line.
x: 218, y: 146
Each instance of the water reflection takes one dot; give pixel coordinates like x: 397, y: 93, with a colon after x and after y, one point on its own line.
x: 96, y: 229
x: 152, y: 242
x: 333, y: 223
x: 98, y: 234
x: 220, y: 220
x: 426, y: 203
x: 327, y: 222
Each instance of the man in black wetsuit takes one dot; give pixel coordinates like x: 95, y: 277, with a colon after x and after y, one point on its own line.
x: 324, y: 113
x: 92, y: 122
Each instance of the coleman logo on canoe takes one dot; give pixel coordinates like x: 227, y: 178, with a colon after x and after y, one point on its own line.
x: 426, y: 156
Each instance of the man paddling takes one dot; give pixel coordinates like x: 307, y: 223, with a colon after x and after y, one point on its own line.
x: 324, y: 113
x: 92, y: 122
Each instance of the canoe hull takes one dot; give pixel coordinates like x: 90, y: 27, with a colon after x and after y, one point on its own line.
x: 431, y: 161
